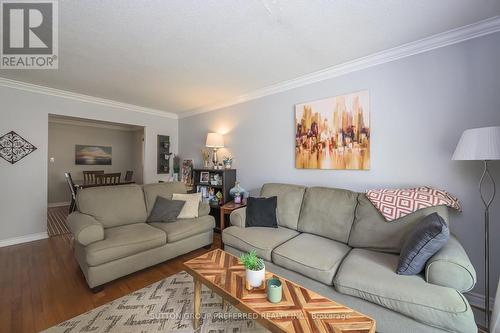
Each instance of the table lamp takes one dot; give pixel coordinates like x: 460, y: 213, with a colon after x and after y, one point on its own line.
x: 214, y: 141
x: 482, y: 144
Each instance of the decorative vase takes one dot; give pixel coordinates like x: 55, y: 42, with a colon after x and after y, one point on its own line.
x: 237, y: 190
x: 255, y: 279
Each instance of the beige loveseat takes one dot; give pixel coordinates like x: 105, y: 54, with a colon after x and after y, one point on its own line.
x: 335, y: 242
x: 112, y: 238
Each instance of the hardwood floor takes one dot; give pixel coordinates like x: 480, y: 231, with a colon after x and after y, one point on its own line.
x: 41, y: 284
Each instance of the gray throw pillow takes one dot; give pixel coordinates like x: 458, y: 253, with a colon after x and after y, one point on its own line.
x: 428, y: 237
x: 165, y: 210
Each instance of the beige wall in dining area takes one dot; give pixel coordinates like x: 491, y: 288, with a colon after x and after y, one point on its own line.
x: 61, y: 146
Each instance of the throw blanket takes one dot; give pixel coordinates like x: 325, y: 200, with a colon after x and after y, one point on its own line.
x: 396, y: 203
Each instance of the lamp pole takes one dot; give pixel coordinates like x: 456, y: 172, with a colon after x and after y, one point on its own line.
x: 487, y: 204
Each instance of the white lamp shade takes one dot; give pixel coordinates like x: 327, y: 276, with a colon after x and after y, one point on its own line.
x: 214, y: 140
x: 479, y: 144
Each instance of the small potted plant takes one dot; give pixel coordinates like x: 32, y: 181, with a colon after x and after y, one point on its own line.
x: 255, y: 269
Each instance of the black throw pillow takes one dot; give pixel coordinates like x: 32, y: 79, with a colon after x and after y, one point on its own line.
x: 261, y: 212
x: 165, y: 210
x: 428, y: 237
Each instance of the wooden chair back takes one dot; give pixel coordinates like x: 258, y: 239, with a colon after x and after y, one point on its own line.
x: 128, y: 175
x: 108, y: 178
x: 89, y: 177
x: 72, y: 190
x: 71, y: 185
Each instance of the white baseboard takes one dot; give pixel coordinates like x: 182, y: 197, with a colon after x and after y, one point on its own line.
x: 23, y: 239
x: 58, y: 204
x: 477, y: 300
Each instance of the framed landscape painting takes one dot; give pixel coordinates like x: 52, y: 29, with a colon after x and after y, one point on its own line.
x: 92, y: 155
x: 333, y: 133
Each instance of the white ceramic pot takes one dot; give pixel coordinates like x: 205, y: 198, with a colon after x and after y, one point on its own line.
x: 256, y: 278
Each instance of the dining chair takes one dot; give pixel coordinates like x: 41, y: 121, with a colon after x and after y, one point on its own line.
x: 128, y: 175
x: 108, y: 178
x: 72, y: 189
x: 89, y: 177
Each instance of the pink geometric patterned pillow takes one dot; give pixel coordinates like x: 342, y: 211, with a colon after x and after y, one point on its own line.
x: 396, y: 203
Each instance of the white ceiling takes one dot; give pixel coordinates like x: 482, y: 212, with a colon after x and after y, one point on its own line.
x: 180, y: 55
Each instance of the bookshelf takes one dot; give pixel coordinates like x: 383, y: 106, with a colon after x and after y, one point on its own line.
x: 214, y: 188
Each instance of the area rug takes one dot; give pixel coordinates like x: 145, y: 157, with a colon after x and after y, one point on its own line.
x: 165, y: 306
x: 56, y: 221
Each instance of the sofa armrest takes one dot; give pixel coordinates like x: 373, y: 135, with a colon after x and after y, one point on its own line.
x: 203, y: 209
x: 451, y: 267
x: 85, y: 228
x: 238, y: 217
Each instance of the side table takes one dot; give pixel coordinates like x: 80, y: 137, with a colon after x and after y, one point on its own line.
x: 227, y: 208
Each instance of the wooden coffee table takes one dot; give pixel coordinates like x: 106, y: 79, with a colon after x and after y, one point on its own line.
x: 301, y: 310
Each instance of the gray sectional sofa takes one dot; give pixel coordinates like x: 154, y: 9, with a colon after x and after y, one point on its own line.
x: 112, y: 238
x: 336, y: 243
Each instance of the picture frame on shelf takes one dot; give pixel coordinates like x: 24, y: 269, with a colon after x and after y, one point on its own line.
x: 187, y: 172
x: 204, y: 177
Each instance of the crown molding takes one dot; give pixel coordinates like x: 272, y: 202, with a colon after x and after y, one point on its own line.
x: 83, y: 123
x: 4, y: 82
x: 450, y: 37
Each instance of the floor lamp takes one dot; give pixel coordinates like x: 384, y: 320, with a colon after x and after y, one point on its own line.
x: 482, y: 144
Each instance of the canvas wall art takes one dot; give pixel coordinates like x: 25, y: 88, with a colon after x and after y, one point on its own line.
x: 92, y: 155
x: 333, y: 133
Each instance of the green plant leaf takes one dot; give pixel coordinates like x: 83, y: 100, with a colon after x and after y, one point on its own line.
x: 251, y: 261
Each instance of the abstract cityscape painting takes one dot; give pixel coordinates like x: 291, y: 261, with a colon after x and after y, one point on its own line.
x: 333, y: 133
x: 92, y: 155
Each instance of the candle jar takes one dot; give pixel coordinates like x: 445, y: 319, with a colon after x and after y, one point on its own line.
x: 237, y: 199
x: 274, y: 290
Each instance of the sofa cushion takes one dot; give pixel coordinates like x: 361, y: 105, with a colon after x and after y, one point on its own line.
x: 261, y: 212
x: 191, y: 204
x: 262, y: 240
x: 165, y: 210
x: 428, y: 237
x: 289, y: 202
x: 124, y: 241
x: 165, y: 190
x: 371, y: 230
x: 371, y: 276
x: 328, y: 212
x: 185, y: 228
x: 301, y: 254
x: 113, y: 205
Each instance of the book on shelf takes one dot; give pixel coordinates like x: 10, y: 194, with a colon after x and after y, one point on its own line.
x: 209, y: 194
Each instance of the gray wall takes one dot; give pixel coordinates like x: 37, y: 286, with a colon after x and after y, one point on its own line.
x: 62, y: 141
x: 23, y: 199
x: 419, y: 107
x: 138, y: 157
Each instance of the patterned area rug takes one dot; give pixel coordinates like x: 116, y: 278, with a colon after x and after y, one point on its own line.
x: 165, y: 306
x: 56, y: 221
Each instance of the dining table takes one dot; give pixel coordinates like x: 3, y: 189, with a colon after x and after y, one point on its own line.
x: 80, y: 184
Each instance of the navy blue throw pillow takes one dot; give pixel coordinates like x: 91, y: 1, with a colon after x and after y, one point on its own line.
x: 428, y: 237
x: 261, y: 212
